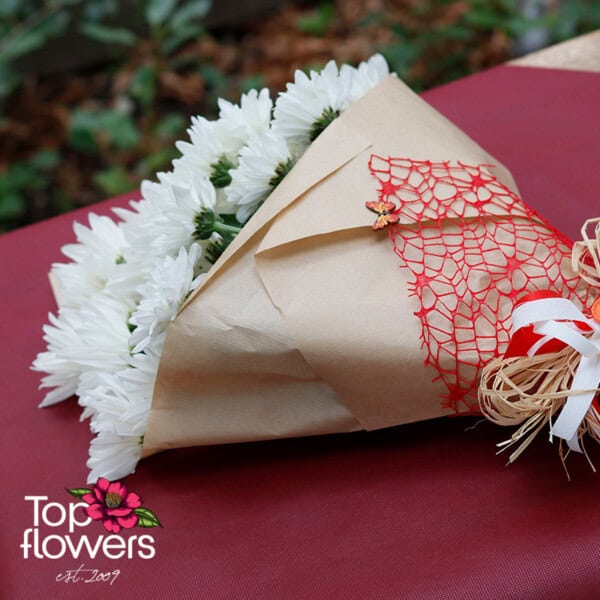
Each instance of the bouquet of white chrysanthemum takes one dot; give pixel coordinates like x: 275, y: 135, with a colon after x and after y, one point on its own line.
x: 347, y: 259
x: 128, y: 279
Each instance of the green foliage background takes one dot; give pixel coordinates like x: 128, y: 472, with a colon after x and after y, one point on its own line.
x: 123, y: 137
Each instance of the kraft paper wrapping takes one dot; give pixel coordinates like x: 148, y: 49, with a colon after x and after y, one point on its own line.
x: 304, y: 326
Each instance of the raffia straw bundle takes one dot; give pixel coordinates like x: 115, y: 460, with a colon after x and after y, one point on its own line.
x: 586, y: 254
x: 527, y: 391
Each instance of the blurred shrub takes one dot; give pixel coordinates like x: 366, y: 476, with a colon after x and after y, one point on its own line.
x: 22, y: 183
x: 439, y: 41
x: 318, y: 21
x: 71, y: 138
x: 24, y: 27
x: 119, y: 130
x: 570, y: 18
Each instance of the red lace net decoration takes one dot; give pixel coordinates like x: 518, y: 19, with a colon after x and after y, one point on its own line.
x: 473, y: 248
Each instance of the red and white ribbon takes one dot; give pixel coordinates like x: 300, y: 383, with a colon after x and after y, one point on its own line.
x: 559, y: 319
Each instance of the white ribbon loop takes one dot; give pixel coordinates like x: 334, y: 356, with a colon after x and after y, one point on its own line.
x: 545, y: 309
x: 555, y: 318
x: 566, y: 332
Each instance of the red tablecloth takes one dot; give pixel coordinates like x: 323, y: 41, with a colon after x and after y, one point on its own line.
x: 420, y: 511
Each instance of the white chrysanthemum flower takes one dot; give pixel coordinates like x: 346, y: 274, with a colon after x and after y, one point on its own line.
x: 309, y: 104
x: 205, y: 194
x: 144, y: 249
x: 98, y: 251
x: 126, y: 278
x: 175, y: 228
x: 140, y: 211
x: 104, y: 334
x: 171, y: 222
x: 135, y: 219
x: 215, y: 145
x: 82, y: 344
x: 119, y: 407
x: 125, y: 396
x: 63, y: 372
x: 113, y: 408
x: 139, y: 378
x: 113, y: 456
x: 163, y: 295
x: 251, y: 116
x: 135, y: 261
x: 368, y: 75
x: 264, y: 162
x: 139, y: 224
x: 213, y: 141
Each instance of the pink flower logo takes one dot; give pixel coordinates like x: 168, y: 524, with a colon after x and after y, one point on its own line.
x: 117, y: 508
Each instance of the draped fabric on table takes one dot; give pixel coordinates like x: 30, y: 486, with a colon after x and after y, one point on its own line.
x: 420, y: 511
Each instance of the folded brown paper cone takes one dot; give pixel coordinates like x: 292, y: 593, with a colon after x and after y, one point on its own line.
x: 305, y: 325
